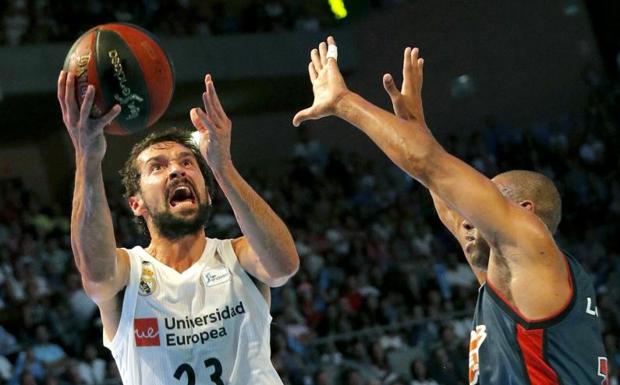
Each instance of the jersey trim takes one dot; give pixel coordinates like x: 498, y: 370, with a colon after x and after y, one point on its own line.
x: 531, y: 342
x: 231, y: 260
x: 541, y: 323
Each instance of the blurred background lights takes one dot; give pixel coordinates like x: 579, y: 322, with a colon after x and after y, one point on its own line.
x: 462, y: 86
x: 338, y: 8
x: 571, y: 8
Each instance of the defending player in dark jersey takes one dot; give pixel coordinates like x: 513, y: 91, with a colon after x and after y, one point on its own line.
x: 536, y: 320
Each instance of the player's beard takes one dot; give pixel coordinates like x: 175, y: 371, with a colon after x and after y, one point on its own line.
x: 174, y: 227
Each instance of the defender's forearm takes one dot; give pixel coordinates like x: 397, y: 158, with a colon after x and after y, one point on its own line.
x: 409, y: 144
x: 92, y: 234
x: 266, y: 232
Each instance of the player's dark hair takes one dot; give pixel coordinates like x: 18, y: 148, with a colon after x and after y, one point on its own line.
x: 130, y: 173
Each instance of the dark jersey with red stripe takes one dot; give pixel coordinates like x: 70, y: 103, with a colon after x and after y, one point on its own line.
x: 566, y: 349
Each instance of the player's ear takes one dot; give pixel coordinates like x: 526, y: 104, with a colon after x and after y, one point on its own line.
x: 528, y: 205
x: 136, y: 204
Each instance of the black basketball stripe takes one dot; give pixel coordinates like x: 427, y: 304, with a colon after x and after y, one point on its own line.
x: 158, y: 42
x: 121, y: 80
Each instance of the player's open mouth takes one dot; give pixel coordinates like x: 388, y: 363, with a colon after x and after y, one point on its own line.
x: 181, y: 194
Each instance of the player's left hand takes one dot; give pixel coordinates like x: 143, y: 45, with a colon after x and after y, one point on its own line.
x: 214, y: 127
x: 327, y: 84
x: 407, y: 103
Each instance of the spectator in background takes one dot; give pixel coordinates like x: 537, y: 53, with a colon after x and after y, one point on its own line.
x: 92, y: 368
x: 28, y: 368
x: 51, y: 355
x: 322, y: 377
x: 8, y: 342
x: 6, y: 369
x: 419, y: 373
x: 81, y: 306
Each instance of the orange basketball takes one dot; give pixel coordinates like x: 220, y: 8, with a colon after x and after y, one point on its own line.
x: 127, y: 67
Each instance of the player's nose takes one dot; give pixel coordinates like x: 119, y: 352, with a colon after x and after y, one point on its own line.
x: 176, y: 171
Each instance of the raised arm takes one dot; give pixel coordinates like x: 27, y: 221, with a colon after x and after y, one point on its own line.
x: 104, y: 271
x: 407, y: 105
x: 517, y: 234
x: 266, y: 250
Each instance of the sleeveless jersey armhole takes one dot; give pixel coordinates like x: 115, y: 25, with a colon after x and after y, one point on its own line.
x: 129, y: 305
x: 544, y: 322
x: 232, y: 262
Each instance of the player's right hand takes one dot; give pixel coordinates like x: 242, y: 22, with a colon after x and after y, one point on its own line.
x: 327, y: 84
x: 86, y: 133
x: 407, y: 102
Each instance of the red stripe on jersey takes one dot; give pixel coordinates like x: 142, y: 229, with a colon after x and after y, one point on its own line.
x: 531, y: 343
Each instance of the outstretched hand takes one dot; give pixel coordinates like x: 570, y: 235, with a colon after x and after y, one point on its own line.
x: 86, y: 133
x: 327, y: 83
x: 407, y: 102
x: 214, y: 127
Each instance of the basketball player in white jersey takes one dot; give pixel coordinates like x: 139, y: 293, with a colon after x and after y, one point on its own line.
x: 187, y: 309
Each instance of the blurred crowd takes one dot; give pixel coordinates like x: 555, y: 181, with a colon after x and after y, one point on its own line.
x: 37, y: 21
x: 382, y: 297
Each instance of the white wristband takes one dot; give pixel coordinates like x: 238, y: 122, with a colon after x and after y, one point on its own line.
x: 332, y: 51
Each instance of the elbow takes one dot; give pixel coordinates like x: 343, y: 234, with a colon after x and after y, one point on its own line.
x: 285, y: 272
x: 291, y: 267
x: 97, y: 275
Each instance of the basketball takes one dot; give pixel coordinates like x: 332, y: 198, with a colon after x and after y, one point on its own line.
x: 126, y: 66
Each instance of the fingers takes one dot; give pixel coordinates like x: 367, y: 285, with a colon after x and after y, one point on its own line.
x: 60, y: 92
x: 332, y: 49
x: 302, y: 116
x: 71, y: 106
x: 421, y: 70
x: 87, y: 104
x: 316, y: 60
x: 414, y: 55
x: 211, y: 101
x: 416, y: 61
x: 206, y: 101
x: 412, y: 71
x: 110, y: 115
x: 320, y: 56
x: 323, y: 53
x: 390, y: 87
x: 200, y: 120
x: 406, y: 59
x: 312, y: 72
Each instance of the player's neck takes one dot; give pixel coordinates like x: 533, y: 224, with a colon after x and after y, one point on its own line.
x: 178, y: 254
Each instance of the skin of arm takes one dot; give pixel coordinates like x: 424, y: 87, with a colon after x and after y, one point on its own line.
x: 407, y: 105
x: 520, y: 242
x: 266, y: 250
x: 104, y: 269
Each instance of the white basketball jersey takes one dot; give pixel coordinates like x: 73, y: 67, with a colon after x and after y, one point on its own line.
x: 206, y: 325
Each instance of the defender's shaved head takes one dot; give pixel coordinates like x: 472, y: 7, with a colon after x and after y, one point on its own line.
x: 521, y: 185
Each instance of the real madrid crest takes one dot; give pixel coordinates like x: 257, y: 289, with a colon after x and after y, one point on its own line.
x: 148, y: 284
